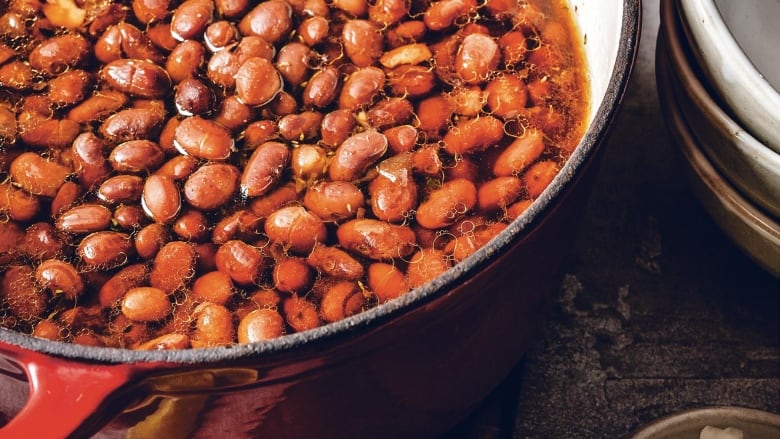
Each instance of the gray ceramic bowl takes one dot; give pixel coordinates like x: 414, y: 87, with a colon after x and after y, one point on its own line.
x: 755, y: 424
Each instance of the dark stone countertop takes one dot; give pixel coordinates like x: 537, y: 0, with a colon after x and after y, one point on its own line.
x: 658, y: 311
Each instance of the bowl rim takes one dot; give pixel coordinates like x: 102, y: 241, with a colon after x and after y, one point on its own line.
x: 746, y: 146
x: 727, y: 198
x: 595, y: 134
x: 758, y: 109
x: 664, y: 425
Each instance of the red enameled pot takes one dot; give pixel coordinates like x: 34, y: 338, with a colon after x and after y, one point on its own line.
x: 412, y: 367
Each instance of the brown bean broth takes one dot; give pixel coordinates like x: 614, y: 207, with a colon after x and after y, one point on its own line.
x: 266, y: 219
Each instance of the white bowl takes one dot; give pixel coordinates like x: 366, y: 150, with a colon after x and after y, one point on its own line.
x: 753, y: 231
x: 735, y: 78
x: 755, y: 424
x: 753, y: 168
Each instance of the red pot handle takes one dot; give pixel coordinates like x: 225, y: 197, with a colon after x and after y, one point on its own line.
x: 63, y: 394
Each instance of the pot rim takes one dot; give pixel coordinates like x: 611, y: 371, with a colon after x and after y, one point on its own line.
x: 374, y: 317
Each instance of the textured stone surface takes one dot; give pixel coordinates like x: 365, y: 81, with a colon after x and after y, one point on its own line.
x: 658, y: 311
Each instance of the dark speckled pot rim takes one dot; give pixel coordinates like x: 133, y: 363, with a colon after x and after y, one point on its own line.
x: 595, y: 134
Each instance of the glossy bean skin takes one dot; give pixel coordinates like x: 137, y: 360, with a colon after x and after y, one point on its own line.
x: 335, y: 263
x: 136, y: 156
x: 58, y: 54
x: 477, y: 57
x: 105, y: 249
x: 292, y: 275
x: 60, y: 277
x: 361, y: 88
x: 519, y: 154
x: 214, y: 287
x: 271, y: 20
x: 394, y: 191
x: 191, y: 225
x: 150, y: 239
x: 300, y: 126
x: 173, y: 267
x: 386, y: 281
x: 37, y: 175
x: 264, y: 168
x: 20, y: 294
x: 131, y: 124
x: 445, y: 205
x: 334, y: 200
x: 213, y: 326
x: 98, y: 106
x: 91, y: 164
x: 120, y: 283
x: 259, y: 325
x: 353, y: 157
x: 336, y: 127
x: 539, y: 176
x: 69, y: 88
x: 137, y: 77
x: 376, y: 239
x: 211, y: 186
x: 190, y: 19
x: 300, y: 314
x: 499, y: 193
x: 146, y: 304
x: 341, y: 300
x: 203, y: 139
x: 194, y: 97
x: 40, y: 241
x: 257, y: 81
x: 161, y: 199
x: 241, y: 261
x: 18, y: 204
x: 362, y: 42
x: 473, y: 135
x: 443, y: 14
x: 84, y: 218
x: 185, y: 60
x: 123, y: 188
x: 506, y: 96
x: 425, y: 265
x: 322, y: 87
x: 308, y: 162
x: 295, y: 228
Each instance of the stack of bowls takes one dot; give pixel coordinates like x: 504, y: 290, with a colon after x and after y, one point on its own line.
x: 724, y: 113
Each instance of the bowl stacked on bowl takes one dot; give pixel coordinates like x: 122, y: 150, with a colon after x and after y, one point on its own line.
x: 735, y: 169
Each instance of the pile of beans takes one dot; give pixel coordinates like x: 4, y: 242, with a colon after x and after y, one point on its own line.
x: 185, y: 174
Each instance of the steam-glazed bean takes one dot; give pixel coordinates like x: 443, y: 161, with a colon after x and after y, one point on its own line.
x: 353, y: 157
x: 242, y: 224
x: 401, y: 138
x: 386, y: 281
x: 300, y: 314
x: 41, y: 241
x: 38, y: 175
x: 283, y: 104
x: 292, y: 275
x: 190, y: 19
x: 234, y: 114
x: 468, y: 243
x: 213, y: 326
x: 129, y: 217
x: 150, y: 239
x: 173, y: 267
x: 166, y: 342
x: 390, y: 112
x: 60, y: 53
x: 300, y: 126
x: 314, y: 30
x: 185, y: 60
x: 131, y: 124
x: 519, y: 154
x: 214, y: 286
x: 136, y: 156
x: 211, y: 186
x: 477, y: 57
x: 37, y: 131
x: 264, y: 168
x: 243, y: 262
x: 137, y: 77
x: 473, y: 135
x: 220, y: 34
x: 11, y: 238
x: 259, y: 325
x: 271, y: 20
x: 334, y: 200
x: 362, y: 41
x: 293, y: 62
x: 394, y: 191
x: 446, y: 204
x: 161, y: 199
x: 123, y: 40
x: 19, y: 292
x: 425, y: 265
x: 322, y: 87
x: 414, y: 53
x: 60, y: 277
x: 192, y: 225
x: 257, y: 81
x: 98, y: 106
x: 411, y: 80
x: 308, y: 162
x: 296, y: 229
x: 361, y: 87
x: 337, y: 126
x: 388, y: 12
x: 376, y: 239
x: 279, y: 197
x: 539, y: 176
x: 232, y: 8
x: 149, y: 11
x: 356, y: 8
x: 341, y: 300
x: 178, y: 167
x: 146, y: 304
x: 192, y: 97
x: 117, y: 286
x: 121, y: 188
x: 222, y: 67
x: 203, y: 139
x: 67, y: 195
x: 105, y: 249
x: 466, y: 100
x: 506, y: 96
x: 69, y: 88
x: 444, y: 13
x: 498, y: 193
x: 18, y: 204
x: 84, y: 218
x: 335, y: 263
